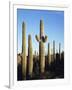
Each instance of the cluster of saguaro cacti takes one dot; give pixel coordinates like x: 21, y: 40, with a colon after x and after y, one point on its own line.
x: 24, y: 61
x: 52, y: 55
x: 41, y: 39
x: 30, y: 55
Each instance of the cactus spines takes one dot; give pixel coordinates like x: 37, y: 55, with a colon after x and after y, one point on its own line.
x: 60, y: 51
x: 54, y: 51
x: 30, y: 55
x: 24, y: 62
x: 41, y: 39
x: 49, y: 56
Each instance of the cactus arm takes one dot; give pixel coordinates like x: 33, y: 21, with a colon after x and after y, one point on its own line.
x: 46, y: 38
x: 37, y: 38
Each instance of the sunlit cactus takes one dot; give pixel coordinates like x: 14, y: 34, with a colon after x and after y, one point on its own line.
x: 41, y: 39
x: 49, y: 54
x: 24, y: 62
x: 30, y: 55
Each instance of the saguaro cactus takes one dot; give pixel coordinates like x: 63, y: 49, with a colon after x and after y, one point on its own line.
x: 30, y: 55
x: 54, y: 57
x: 24, y: 62
x: 41, y: 39
x: 60, y: 51
x: 49, y: 56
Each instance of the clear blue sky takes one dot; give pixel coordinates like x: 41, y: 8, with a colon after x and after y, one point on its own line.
x: 53, y: 27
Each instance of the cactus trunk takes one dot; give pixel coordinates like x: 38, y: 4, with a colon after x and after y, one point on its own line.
x: 41, y: 48
x: 54, y: 57
x: 49, y: 56
x: 24, y: 51
x: 41, y: 29
x: 41, y: 39
x: 30, y: 55
x: 42, y: 56
x: 60, y: 51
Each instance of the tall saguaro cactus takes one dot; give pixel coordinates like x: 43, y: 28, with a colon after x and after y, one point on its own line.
x: 49, y: 56
x: 41, y: 39
x: 30, y: 55
x: 54, y: 57
x: 60, y: 51
x: 24, y: 62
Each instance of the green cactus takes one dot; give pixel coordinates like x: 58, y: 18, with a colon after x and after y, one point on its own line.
x: 30, y: 55
x: 24, y: 62
x: 41, y: 39
x: 49, y: 56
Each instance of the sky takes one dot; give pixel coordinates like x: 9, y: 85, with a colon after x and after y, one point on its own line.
x: 53, y: 27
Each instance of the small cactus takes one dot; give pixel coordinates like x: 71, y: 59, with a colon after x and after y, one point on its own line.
x: 24, y: 62
x: 41, y: 39
x: 30, y: 55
